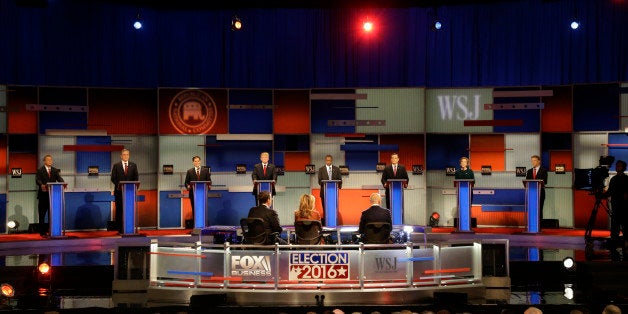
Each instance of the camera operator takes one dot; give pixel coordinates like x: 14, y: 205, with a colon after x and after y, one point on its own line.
x: 618, y: 192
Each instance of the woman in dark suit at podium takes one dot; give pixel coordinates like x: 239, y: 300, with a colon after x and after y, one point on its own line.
x: 465, y: 171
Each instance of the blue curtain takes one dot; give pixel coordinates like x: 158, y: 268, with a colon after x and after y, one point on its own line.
x: 93, y: 43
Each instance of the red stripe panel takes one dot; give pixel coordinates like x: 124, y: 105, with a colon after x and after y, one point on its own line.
x: 517, y: 122
x: 291, y: 114
x: 296, y: 161
x: 92, y: 148
x: 487, y: 149
x: 20, y: 120
x: 583, y: 203
x: 3, y: 154
x: 561, y: 157
x: 558, y: 114
x: 411, y: 149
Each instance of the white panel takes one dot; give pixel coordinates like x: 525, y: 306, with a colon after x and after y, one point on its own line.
x: 143, y: 150
x: 3, y: 183
x: 244, y: 137
x: 53, y: 145
x: 448, y: 108
x: 403, y: 110
x: 588, y: 148
x: 21, y: 260
x: 178, y: 150
x: 523, y: 146
x: 559, y: 205
x: 22, y: 206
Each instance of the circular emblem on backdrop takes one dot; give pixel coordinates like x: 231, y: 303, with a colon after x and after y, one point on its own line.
x: 192, y: 111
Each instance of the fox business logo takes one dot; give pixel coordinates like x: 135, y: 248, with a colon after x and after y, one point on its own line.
x: 192, y: 111
x: 250, y: 265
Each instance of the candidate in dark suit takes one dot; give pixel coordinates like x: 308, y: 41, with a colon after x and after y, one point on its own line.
x: 263, y: 171
x: 328, y: 172
x: 537, y: 172
x: 196, y: 173
x: 124, y: 170
x: 271, y: 219
x: 393, y: 171
x: 375, y: 213
x: 47, y: 173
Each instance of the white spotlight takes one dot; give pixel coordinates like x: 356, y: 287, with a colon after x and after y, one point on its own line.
x: 138, y: 22
x: 575, y: 25
x: 569, y: 263
x: 437, y: 25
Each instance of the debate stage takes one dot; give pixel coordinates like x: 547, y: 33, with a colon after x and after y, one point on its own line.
x: 178, y: 285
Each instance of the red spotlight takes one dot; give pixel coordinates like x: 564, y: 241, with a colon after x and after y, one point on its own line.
x: 434, y: 218
x: 44, y: 268
x: 368, y: 26
x: 7, y: 290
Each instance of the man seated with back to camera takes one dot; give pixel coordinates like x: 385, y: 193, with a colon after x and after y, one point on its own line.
x: 375, y: 213
x: 270, y: 217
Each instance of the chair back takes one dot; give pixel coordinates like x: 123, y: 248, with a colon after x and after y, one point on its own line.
x: 253, y: 231
x: 308, y: 231
x: 377, y: 232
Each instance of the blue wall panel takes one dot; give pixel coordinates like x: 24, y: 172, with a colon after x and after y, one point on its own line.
x: 596, y: 107
x: 621, y: 152
x: 169, y: 210
x: 445, y: 150
x: 531, y: 120
x: 503, y: 200
x: 251, y: 121
x: 325, y: 110
x: 86, y: 159
x: 222, y: 156
x: 229, y: 208
x: 87, y: 210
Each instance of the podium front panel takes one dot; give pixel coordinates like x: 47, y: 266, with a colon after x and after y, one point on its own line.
x: 464, y: 188
x: 396, y: 199
x: 129, y: 206
x: 533, y: 201
x: 331, y: 202
x: 56, y: 215
x: 200, y: 202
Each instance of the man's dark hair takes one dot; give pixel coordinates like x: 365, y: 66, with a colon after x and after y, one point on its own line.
x: 263, y: 197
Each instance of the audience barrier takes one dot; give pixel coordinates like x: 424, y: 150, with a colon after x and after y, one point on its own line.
x: 228, y: 268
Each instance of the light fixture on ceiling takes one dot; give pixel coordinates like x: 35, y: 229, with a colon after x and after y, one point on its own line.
x: 236, y: 23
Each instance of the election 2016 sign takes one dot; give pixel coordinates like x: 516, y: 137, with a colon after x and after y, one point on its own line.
x: 316, y: 266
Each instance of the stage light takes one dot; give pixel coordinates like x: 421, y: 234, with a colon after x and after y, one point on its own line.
x: 13, y: 226
x: 569, y: 263
x: 437, y: 25
x: 236, y: 23
x: 7, y: 290
x: 138, y: 22
x: 368, y: 26
x: 434, y: 218
x: 568, y: 292
x: 44, y: 269
x: 575, y: 25
x: 408, y: 229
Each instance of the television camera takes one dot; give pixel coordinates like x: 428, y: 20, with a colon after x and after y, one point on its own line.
x: 593, y: 180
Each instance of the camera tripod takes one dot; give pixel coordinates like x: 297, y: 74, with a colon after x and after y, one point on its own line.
x: 588, y: 238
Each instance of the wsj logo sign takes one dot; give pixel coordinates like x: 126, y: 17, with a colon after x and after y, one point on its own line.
x: 459, y: 107
x: 250, y: 265
x: 385, y: 264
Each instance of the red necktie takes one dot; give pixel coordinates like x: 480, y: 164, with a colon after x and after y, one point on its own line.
x: 198, y: 174
x: 126, y: 169
x: 533, y: 173
x: 48, y: 172
x: 395, y: 171
x: 264, y: 170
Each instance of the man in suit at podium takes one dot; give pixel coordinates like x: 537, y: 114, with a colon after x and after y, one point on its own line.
x: 47, y: 173
x: 124, y: 170
x: 263, y: 171
x: 196, y: 173
x: 538, y: 172
x: 393, y: 171
x: 328, y: 172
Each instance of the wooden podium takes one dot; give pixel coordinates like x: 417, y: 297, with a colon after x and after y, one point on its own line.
x: 129, y: 207
x: 464, y: 189
x: 199, y: 188
x: 331, y: 202
x: 56, y: 216
x: 396, y: 187
x: 533, y: 202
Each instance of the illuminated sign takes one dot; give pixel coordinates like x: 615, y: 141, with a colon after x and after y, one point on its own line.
x: 245, y: 265
x: 315, y: 266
